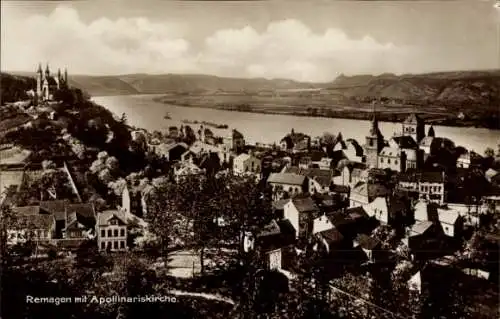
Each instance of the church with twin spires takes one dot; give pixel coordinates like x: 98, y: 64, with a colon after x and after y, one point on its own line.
x: 47, y: 84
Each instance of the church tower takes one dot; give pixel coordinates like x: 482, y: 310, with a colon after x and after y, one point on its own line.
x: 414, y: 126
x: 39, y: 80
x: 374, y: 142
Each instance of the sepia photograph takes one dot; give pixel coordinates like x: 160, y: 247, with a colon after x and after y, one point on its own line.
x: 250, y: 159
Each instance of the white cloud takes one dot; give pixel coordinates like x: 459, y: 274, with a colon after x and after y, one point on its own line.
x: 285, y: 49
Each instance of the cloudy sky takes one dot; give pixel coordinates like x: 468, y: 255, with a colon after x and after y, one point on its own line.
x: 307, y: 41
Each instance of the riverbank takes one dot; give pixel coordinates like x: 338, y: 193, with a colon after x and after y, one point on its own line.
x: 476, y: 117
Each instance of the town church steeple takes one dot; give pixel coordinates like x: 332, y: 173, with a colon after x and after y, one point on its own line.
x: 374, y: 141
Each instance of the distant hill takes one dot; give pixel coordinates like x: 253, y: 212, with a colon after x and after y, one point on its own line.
x: 450, y: 88
x: 478, y: 87
x: 13, y: 87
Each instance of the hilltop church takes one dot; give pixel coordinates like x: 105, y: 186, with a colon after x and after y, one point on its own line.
x: 47, y: 84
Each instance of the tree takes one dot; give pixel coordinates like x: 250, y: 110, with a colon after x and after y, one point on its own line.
x: 199, y: 203
x: 489, y: 152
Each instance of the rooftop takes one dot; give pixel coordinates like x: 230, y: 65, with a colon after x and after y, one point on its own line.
x: 286, y: 178
x: 304, y: 204
x: 104, y: 216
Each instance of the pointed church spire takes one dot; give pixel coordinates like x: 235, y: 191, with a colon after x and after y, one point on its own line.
x: 47, y: 71
x: 39, y: 70
x: 431, y: 132
x: 374, y: 128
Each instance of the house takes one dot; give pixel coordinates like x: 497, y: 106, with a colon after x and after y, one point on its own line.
x: 80, y: 221
x: 183, y: 169
x: 172, y: 152
x: 364, y: 193
x: 432, y: 186
x: 13, y: 157
x: 111, y: 231
x: 392, y: 158
x: 301, y: 212
x: 289, y: 183
x: 379, y: 209
x: 451, y: 221
x: 403, y: 142
x: 351, y: 174
x: 429, y: 184
x: 28, y: 224
x: 322, y: 223
x: 369, y: 245
x: 246, y: 163
x: 320, y: 180
x: 424, y: 239
x: 57, y: 208
x: 273, y: 241
x: 329, y: 239
x: 341, y: 190
x: 189, y: 155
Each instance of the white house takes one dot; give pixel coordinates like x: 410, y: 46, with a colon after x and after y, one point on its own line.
x: 322, y: 223
x: 111, y: 231
x: 291, y: 183
x: 450, y: 221
x: 301, y: 213
x: 379, y: 209
x: 246, y: 163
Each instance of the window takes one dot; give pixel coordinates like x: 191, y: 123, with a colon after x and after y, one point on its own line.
x: 103, y: 245
x: 115, y: 245
x: 370, y: 142
x: 122, y: 244
x: 395, y: 161
x: 388, y: 161
x: 103, y: 233
x: 381, y: 160
x: 113, y: 222
x: 122, y: 232
x: 109, y: 233
x: 115, y: 232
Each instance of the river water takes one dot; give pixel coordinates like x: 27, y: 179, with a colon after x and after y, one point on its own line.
x: 143, y: 112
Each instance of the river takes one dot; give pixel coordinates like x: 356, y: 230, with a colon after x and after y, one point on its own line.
x: 143, y: 112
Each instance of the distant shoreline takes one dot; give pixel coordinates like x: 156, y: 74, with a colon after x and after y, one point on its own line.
x: 384, y: 116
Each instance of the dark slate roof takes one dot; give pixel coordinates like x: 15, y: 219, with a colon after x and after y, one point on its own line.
x: 340, y: 189
x: 305, y: 204
x: 286, y: 178
x: 104, y: 216
x: 323, y: 180
x: 29, y: 220
x: 331, y: 235
x: 367, y: 242
x: 421, y: 228
x: 286, y: 227
x: 432, y: 177
x: 270, y: 229
x: 84, y: 210
x: 51, y: 80
x: 356, y: 213
x: 55, y: 207
x: 280, y: 204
